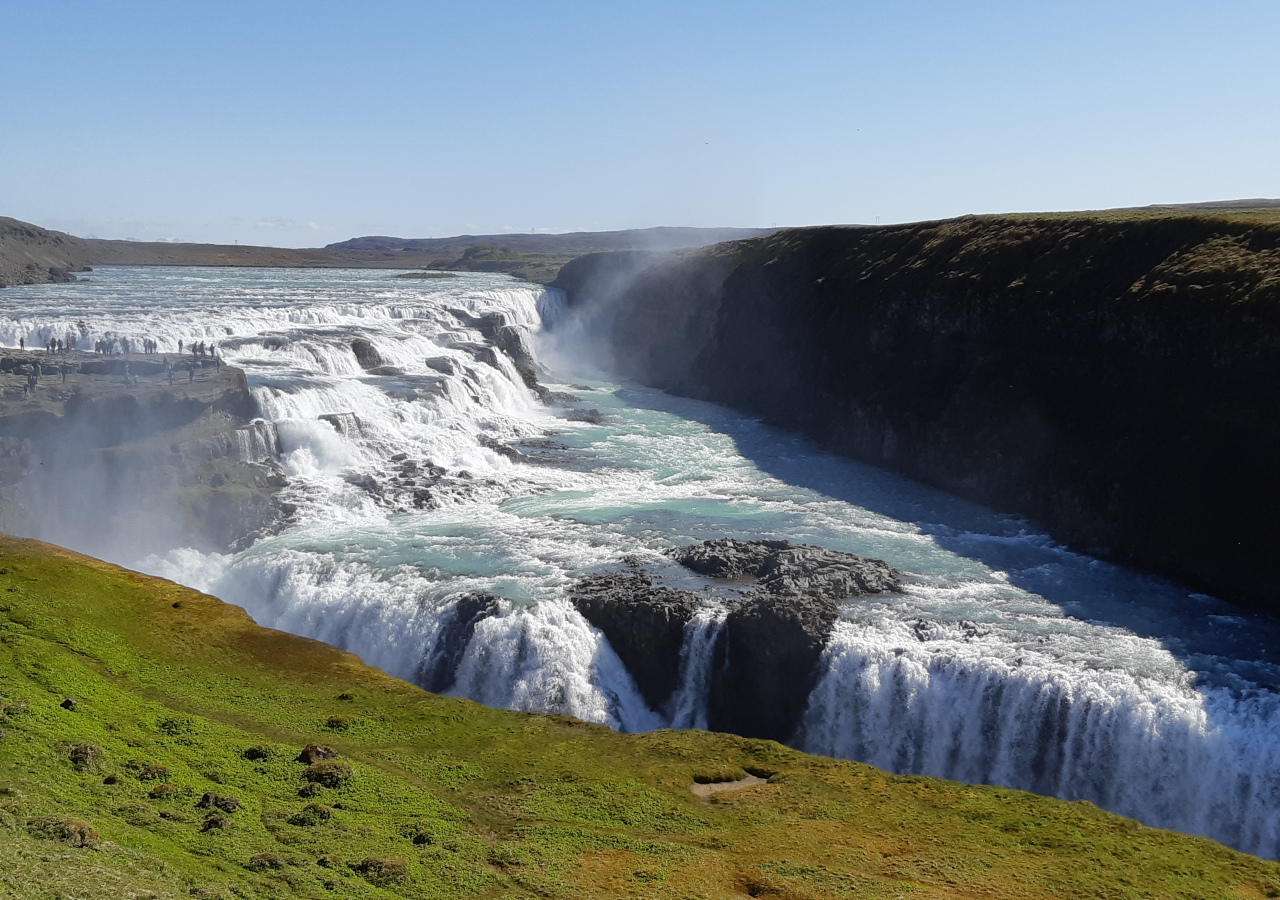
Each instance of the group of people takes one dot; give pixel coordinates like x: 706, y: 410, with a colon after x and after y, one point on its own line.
x: 200, y: 349
x: 53, y: 345
x: 109, y: 347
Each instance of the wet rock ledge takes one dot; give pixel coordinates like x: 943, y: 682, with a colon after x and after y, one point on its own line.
x: 777, y: 624
x: 101, y: 463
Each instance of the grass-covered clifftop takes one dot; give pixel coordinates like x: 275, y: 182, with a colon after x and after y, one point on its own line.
x: 174, y: 773
x: 1113, y: 375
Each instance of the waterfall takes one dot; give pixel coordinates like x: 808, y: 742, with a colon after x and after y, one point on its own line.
x: 437, y: 475
x: 1197, y: 761
x: 688, y: 705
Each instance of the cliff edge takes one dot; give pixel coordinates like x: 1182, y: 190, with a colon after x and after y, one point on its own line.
x: 1114, y: 376
x: 102, y: 452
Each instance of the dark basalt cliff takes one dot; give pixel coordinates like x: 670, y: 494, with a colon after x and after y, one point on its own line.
x: 1115, y: 377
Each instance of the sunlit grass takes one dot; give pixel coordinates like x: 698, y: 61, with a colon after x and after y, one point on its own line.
x: 178, y: 696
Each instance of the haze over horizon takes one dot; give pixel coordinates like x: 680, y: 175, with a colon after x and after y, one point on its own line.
x: 304, y: 124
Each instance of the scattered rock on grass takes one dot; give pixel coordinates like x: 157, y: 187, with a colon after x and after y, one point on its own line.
x: 162, y: 791
x: 311, y: 789
x: 380, y: 871
x: 84, y: 755
x: 154, y: 772
x: 311, y: 815
x: 257, y: 751
x: 216, y: 801
x: 313, y: 753
x: 264, y: 862
x: 331, y: 773
x: 215, y: 822
x: 70, y: 831
x: 69, y: 704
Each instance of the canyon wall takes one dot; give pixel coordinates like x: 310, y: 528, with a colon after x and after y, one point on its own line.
x: 92, y: 460
x: 1115, y: 377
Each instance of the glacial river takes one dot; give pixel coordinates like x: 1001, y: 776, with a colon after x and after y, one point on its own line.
x: 1005, y: 660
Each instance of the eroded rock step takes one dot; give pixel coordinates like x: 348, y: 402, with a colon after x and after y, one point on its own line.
x: 774, y: 631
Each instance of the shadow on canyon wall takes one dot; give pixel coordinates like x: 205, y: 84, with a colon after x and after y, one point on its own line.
x: 1115, y: 377
x: 1081, y: 586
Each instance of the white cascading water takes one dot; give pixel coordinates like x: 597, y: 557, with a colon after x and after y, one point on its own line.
x: 687, y: 707
x: 1006, y: 659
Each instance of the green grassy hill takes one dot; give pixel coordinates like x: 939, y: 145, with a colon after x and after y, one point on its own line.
x: 175, y: 774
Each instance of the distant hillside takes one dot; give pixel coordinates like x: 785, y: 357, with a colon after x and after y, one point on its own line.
x: 1257, y: 203
x: 575, y: 243
x: 33, y: 255
x: 30, y: 254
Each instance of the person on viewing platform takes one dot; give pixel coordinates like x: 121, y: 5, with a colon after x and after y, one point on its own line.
x: 22, y: 344
x: 179, y: 345
x: 191, y: 373
x: 168, y: 370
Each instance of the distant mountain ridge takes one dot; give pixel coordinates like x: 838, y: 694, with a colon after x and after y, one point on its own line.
x: 662, y: 238
x: 1255, y: 203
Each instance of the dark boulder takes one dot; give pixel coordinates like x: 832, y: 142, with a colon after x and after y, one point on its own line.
x: 313, y: 753
x: 366, y: 354
x: 217, y: 801
x: 644, y: 624
x: 439, y: 669
x: 783, y: 568
x: 512, y: 341
x: 499, y: 448
x: 772, y: 641
x: 590, y: 416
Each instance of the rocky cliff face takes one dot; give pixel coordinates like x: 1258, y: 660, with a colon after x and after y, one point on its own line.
x: 1115, y: 377
x: 778, y: 618
x: 118, y: 469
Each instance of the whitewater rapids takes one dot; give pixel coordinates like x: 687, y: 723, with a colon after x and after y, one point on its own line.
x: 1006, y: 660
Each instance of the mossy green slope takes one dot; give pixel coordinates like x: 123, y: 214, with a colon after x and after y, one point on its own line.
x: 178, y: 696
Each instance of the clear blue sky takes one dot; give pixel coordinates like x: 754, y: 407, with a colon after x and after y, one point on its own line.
x: 297, y: 124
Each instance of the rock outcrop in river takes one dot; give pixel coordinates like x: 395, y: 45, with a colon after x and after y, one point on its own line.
x: 775, y: 630
x: 1115, y: 377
